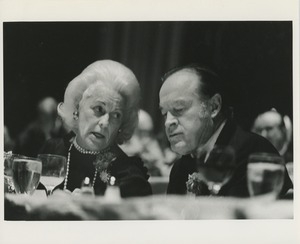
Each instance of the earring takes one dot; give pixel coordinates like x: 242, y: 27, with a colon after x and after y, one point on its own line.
x: 119, y: 131
x: 75, y: 115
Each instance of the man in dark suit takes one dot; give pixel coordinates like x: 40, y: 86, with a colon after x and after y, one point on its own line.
x: 197, y: 117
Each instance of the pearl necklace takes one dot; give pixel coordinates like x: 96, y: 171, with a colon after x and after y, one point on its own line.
x: 68, y: 165
x: 85, y: 151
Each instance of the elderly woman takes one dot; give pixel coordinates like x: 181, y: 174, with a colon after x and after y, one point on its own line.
x: 100, y: 109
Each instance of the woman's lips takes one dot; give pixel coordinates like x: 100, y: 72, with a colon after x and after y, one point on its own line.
x: 98, y: 135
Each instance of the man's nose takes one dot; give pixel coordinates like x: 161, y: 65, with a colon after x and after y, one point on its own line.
x: 171, y: 121
x: 104, y: 120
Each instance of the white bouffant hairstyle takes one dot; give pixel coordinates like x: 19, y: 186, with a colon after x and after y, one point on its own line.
x: 116, y: 75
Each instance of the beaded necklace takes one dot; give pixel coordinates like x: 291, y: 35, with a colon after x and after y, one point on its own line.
x: 83, y: 151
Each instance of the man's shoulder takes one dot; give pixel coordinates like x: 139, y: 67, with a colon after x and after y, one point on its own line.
x: 251, y: 141
x: 241, y: 140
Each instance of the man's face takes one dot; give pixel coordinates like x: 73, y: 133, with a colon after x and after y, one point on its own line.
x: 268, y: 126
x: 188, y: 121
x: 100, y: 117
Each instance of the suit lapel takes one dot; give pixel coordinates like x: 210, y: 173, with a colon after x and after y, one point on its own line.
x: 227, y: 133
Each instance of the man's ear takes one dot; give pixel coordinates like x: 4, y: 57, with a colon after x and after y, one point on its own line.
x: 215, y: 104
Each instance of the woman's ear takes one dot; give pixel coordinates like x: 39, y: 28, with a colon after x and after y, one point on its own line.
x: 216, y: 105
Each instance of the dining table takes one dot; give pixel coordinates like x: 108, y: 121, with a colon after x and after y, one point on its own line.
x: 65, y: 206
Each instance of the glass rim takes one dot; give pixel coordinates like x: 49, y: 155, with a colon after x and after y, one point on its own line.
x: 265, y: 155
x: 7, y: 154
x: 26, y: 157
x: 51, y: 155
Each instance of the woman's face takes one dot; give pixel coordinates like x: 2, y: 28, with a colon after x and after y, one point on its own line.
x: 100, y: 117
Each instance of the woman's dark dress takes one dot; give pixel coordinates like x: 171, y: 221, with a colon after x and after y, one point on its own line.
x: 129, y: 172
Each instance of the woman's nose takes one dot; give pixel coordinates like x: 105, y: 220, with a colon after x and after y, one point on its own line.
x: 104, y: 120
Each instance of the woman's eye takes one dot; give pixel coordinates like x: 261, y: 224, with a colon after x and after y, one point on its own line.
x: 99, y: 110
x: 116, y: 115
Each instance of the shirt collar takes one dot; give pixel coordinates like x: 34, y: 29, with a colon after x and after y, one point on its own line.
x: 209, y: 145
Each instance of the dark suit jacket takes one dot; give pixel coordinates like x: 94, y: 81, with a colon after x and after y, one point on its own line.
x: 244, y: 143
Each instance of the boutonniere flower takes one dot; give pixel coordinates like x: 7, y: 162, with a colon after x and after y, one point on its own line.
x: 101, y: 164
x: 195, y: 183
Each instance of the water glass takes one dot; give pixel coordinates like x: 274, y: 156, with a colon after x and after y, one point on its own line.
x: 265, y: 174
x: 26, y: 174
x: 8, y: 182
x: 290, y: 169
x: 218, y: 168
x: 54, y: 170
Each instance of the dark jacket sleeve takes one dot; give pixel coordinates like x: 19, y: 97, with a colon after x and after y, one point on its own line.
x: 132, y: 177
x: 176, y: 180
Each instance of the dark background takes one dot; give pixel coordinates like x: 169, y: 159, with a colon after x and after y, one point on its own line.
x: 255, y: 58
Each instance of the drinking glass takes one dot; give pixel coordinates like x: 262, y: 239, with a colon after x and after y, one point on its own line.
x: 290, y: 169
x: 265, y: 174
x: 218, y: 167
x: 8, y: 182
x: 54, y: 170
x: 26, y: 174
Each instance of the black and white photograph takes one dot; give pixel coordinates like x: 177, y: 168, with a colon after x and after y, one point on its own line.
x: 132, y: 123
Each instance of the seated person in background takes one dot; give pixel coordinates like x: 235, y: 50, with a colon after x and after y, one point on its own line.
x: 197, y: 117
x: 144, y: 145
x: 277, y: 129
x: 100, y: 109
x: 40, y: 130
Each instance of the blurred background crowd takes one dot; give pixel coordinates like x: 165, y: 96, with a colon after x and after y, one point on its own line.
x: 255, y: 58
x: 153, y: 149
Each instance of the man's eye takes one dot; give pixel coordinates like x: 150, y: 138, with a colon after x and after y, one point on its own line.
x: 178, y: 110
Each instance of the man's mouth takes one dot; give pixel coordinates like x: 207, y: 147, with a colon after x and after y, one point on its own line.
x: 174, y: 134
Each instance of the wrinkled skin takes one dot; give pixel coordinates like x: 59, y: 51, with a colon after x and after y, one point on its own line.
x: 188, y: 117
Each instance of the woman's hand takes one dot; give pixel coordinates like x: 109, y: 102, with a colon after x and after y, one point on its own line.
x: 83, y: 191
x: 61, y: 193
x: 77, y: 192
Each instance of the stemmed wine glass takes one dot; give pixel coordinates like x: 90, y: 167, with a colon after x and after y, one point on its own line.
x: 54, y: 170
x: 265, y: 174
x: 218, y: 167
x: 26, y: 172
